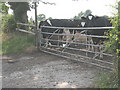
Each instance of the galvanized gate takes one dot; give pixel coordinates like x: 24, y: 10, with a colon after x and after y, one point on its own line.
x: 78, y: 48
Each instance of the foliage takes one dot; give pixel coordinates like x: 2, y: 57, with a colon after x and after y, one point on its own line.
x: 83, y: 14
x: 111, y: 80
x: 41, y: 17
x: 15, y: 43
x: 8, y: 23
x: 4, y: 8
x: 20, y: 11
x: 113, y: 36
x: 50, y: 18
x: 87, y: 12
x: 79, y: 15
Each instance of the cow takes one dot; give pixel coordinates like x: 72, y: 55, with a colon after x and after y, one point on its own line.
x: 59, y: 23
x: 97, y: 22
x: 50, y: 30
x: 92, y: 21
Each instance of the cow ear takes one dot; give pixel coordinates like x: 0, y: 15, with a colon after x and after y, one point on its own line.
x: 40, y: 24
x: 90, y: 17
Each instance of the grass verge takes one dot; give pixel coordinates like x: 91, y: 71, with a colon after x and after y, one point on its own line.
x: 16, y: 42
x: 107, y: 80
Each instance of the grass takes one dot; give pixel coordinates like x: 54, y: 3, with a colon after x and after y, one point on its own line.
x: 107, y: 80
x: 15, y: 43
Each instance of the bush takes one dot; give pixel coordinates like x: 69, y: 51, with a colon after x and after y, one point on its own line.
x: 8, y: 23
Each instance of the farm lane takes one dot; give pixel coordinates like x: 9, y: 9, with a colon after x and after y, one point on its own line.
x: 41, y: 70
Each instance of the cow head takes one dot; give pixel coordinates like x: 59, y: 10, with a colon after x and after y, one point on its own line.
x: 83, y: 24
x: 45, y: 23
x: 83, y: 21
x: 49, y: 22
x: 90, y: 17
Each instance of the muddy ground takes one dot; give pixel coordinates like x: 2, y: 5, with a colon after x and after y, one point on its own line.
x: 41, y: 70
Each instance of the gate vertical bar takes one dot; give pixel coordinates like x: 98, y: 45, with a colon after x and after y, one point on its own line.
x: 40, y: 36
x: 86, y: 45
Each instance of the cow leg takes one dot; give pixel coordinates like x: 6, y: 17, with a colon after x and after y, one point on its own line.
x: 101, y: 48
x: 68, y: 37
x: 74, y: 32
x: 46, y: 43
x: 92, y: 47
x: 96, y: 49
x: 88, y: 42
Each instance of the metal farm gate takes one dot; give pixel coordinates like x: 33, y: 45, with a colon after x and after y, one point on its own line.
x: 77, y: 49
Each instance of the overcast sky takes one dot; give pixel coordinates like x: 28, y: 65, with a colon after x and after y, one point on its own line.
x: 65, y: 9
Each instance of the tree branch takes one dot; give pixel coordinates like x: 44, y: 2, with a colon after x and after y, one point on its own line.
x: 47, y: 2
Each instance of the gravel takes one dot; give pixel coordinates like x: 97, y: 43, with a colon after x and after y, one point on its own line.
x: 41, y: 70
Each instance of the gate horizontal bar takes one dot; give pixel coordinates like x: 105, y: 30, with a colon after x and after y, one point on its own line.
x: 74, y: 35
x: 71, y: 42
x: 22, y: 30
x: 26, y: 24
x: 81, y: 28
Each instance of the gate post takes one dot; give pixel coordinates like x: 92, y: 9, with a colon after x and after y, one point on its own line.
x: 36, y: 27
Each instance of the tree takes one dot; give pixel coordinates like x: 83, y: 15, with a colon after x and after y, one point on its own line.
x: 20, y: 11
x: 41, y: 17
x: 87, y: 12
x: 50, y: 18
x: 81, y: 14
x: 8, y: 23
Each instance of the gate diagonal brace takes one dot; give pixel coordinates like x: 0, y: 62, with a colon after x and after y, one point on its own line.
x: 72, y: 41
x: 51, y: 36
x: 53, y: 33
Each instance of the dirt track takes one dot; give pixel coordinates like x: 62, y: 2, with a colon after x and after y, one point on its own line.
x: 41, y: 70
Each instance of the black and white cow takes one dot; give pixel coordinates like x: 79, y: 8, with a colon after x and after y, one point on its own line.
x: 92, y: 21
x: 97, y: 22
x: 52, y: 22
